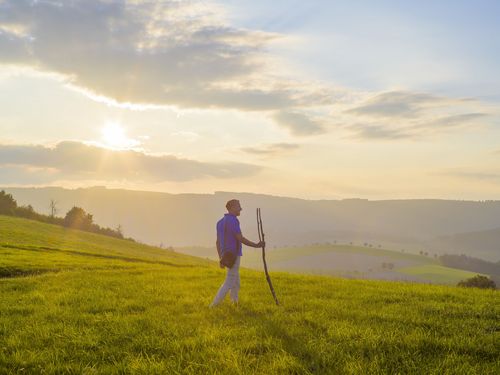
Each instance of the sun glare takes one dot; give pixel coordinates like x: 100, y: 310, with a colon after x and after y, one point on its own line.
x: 114, y: 136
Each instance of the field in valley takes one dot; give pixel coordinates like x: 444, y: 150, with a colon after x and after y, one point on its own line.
x: 351, y: 261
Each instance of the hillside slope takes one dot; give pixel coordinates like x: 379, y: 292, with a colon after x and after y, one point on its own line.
x: 483, y: 244
x: 75, y: 302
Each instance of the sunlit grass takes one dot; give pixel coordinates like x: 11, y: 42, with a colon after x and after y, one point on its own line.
x: 437, y: 273
x: 102, y: 305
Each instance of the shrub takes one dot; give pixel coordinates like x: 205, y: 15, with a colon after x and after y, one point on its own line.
x: 478, y: 281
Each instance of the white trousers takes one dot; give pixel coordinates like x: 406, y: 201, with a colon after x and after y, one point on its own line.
x: 232, y: 284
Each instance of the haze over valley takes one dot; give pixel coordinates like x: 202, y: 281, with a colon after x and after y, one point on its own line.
x: 180, y: 220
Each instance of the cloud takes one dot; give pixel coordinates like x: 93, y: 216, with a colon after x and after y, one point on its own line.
x: 25, y: 175
x: 272, y: 149
x: 74, y: 160
x: 488, y: 176
x: 377, y: 132
x: 456, y: 120
x: 407, y: 115
x: 169, y: 52
x: 398, y: 104
x: 298, y: 123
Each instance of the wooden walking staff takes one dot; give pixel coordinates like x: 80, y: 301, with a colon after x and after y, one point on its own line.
x: 261, y: 238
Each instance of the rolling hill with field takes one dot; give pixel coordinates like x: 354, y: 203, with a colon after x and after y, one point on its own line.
x: 77, y: 302
x: 350, y: 261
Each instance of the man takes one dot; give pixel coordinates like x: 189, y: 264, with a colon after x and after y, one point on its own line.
x: 230, y: 238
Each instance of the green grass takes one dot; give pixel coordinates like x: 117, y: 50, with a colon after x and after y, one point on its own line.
x: 438, y: 274
x: 74, y: 302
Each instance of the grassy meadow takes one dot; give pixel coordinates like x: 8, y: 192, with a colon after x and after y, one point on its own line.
x: 76, y: 302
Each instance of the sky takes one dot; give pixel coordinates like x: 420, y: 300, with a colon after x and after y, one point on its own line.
x: 316, y: 100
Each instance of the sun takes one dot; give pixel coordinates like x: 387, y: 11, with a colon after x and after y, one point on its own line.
x: 113, y: 135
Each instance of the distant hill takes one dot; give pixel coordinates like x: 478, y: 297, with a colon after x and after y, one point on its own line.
x: 484, y: 244
x: 189, y: 219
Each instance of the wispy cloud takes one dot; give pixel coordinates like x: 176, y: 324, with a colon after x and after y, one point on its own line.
x: 374, y: 132
x: 298, y: 123
x: 407, y: 115
x: 455, y: 120
x: 273, y: 149
x: 74, y: 160
x: 397, y: 104
x: 492, y: 176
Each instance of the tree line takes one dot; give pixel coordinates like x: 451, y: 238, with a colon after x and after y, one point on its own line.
x: 75, y: 218
x: 471, y: 264
x: 465, y: 262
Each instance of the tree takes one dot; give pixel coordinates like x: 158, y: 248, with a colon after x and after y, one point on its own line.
x: 53, y: 208
x: 478, y: 281
x: 77, y: 218
x: 8, y: 204
x: 27, y: 212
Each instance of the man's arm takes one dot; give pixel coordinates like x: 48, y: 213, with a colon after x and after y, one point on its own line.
x: 243, y: 240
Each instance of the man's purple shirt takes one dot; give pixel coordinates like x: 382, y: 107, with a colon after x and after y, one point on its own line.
x: 229, y: 242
